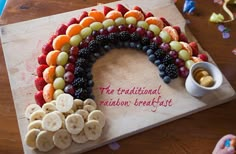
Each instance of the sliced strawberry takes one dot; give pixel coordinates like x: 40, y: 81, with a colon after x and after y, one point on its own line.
x: 177, y: 28
x: 47, y: 48
x: 72, y: 21
x: 52, y: 38
x: 107, y: 9
x: 183, y: 38
x: 40, y: 70
x: 82, y: 16
x: 39, y: 83
x: 194, y: 47
x: 149, y: 14
x: 93, y: 9
x: 165, y: 21
x: 139, y: 9
x: 203, y: 57
x: 61, y: 30
x: 42, y: 59
x: 121, y: 8
x: 38, y: 96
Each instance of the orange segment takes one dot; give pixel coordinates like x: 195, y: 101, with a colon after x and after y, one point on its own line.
x: 49, y: 74
x: 85, y: 22
x: 155, y: 21
x: 97, y: 15
x: 113, y: 14
x: 134, y: 13
x: 51, y: 58
x: 48, y: 91
x: 59, y: 41
x: 74, y: 29
x: 172, y: 32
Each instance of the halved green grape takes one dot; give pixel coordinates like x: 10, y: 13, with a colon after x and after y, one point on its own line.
x: 66, y: 47
x: 108, y: 22
x: 120, y: 21
x: 86, y: 32
x: 75, y: 40
x: 59, y: 83
x: 184, y: 54
x: 175, y: 45
x: 96, y: 26
x: 57, y: 93
x: 62, y: 58
x: 131, y: 20
x: 143, y: 24
x: 60, y: 71
x: 154, y: 28
x: 165, y: 36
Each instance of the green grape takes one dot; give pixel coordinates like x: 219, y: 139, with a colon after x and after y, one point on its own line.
x: 131, y: 20
x: 108, y: 22
x: 60, y: 71
x: 155, y: 29
x: 59, y: 83
x: 175, y: 45
x: 96, y: 26
x: 120, y: 21
x: 66, y: 47
x: 183, y: 54
x: 86, y: 32
x: 189, y: 63
x: 75, y: 40
x: 143, y: 24
x: 165, y: 36
x: 57, y: 93
x: 62, y: 58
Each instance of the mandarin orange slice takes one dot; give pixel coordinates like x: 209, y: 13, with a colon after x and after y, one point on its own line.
x: 155, y: 21
x: 134, y: 13
x: 73, y: 29
x: 85, y: 22
x: 97, y: 15
x: 59, y: 41
x: 48, y: 91
x: 51, y: 58
x: 113, y: 14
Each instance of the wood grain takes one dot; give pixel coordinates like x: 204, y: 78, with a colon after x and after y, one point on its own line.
x: 204, y: 128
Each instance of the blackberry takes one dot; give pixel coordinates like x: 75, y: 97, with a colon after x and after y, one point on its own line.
x: 124, y: 36
x: 93, y: 45
x: 81, y: 94
x: 81, y: 62
x: 172, y: 71
x: 79, y: 83
x: 159, y: 53
x: 84, y: 53
x: 145, y: 41
x: 135, y: 37
x: 102, y: 39
x: 113, y: 37
x: 79, y: 72
x: 153, y: 46
x: 167, y: 60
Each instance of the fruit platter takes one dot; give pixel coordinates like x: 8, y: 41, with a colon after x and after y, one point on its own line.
x: 92, y: 76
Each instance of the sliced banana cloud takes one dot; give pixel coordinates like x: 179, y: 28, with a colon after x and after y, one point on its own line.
x: 92, y: 129
x: 83, y: 113
x: 52, y: 122
x: 37, y: 115
x: 30, y: 109
x: 44, y: 141
x: 89, y: 108
x: 64, y: 102
x: 91, y: 102
x: 79, y: 138
x: 62, y: 139
x: 49, y: 107
x: 74, y: 123
x: 97, y: 115
x: 37, y: 124
x: 78, y: 104
x: 30, y: 137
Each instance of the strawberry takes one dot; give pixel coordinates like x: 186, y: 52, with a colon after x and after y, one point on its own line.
x: 183, y: 38
x: 203, y: 57
x: 139, y: 9
x: 121, y: 8
x: 72, y: 21
x: 61, y: 30
x: 149, y: 14
x: 82, y: 16
x: 93, y: 9
x: 107, y: 9
x: 52, y: 38
x: 38, y: 96
x: 165, y: 21
x: 177, y: 28
x: 39, y: 83
x: 40, y: 70
x: 194, y: 47
x: 47, y: 48
x: 42, y: 59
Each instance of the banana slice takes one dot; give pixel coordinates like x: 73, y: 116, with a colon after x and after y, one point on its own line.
x: 79, y: 138
x: 52, y: 122
x: 89, y: 108
x: 97, y: 115
x: 30, y: 137
x: 37, y: 115
x: 62, y: 139
x: 49, y: 107
x: 74, y: 123
x: 78, y: 104
x: 62, y: 118
x: 83, y: 113
x: 91, y: 102
x: 92, y: 129
x: 53, y: 102
x: 64, y: 102
x: 44, y: 141
x: 37, y: 124
x: 68, y: 112
x: 30, y: 109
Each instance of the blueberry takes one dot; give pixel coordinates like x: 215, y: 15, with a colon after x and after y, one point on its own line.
x: 149, y: 52
x: 97, y: 55
x: 152, y: 57
x: 126, y: 44
x: 107, y: 48
x: 157, y: 62
x: 139, y: 46
x: 161, y: 67
x: 89, y: 75
x: 132, y: 45
x: 162, y: 74
x: 90, y: 83
x: 166, y: 79
x: 145, y: 48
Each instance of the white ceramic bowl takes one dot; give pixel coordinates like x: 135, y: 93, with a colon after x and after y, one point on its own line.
x: 194, y: 88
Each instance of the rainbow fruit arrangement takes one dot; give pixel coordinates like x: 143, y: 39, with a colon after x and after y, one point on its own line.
x: 65, y: 63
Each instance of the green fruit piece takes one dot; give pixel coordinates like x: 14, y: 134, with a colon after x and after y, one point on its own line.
x: 175, y: 45
x: 155, y: 29
x: 86, y: 32
x: 165, y: 36
x: 120, y: 21
x: 75, y: 40
x: 62, y: 58
x: 183, y: 54
x: 108, y: 22
x: 96, y: 26
x: 59, y: 83
x: 66, y: 48
x: 143, y: 24
x: 189, y: 63
x: 131, y: 20
x: 57, y: 93
x: 60, y: 71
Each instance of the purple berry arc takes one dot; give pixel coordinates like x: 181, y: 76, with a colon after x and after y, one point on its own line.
x: 96, y: 45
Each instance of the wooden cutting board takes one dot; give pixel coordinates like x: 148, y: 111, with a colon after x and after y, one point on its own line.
x: 119, y: 69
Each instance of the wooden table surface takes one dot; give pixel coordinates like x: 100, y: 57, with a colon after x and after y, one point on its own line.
x: 197, y: 133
